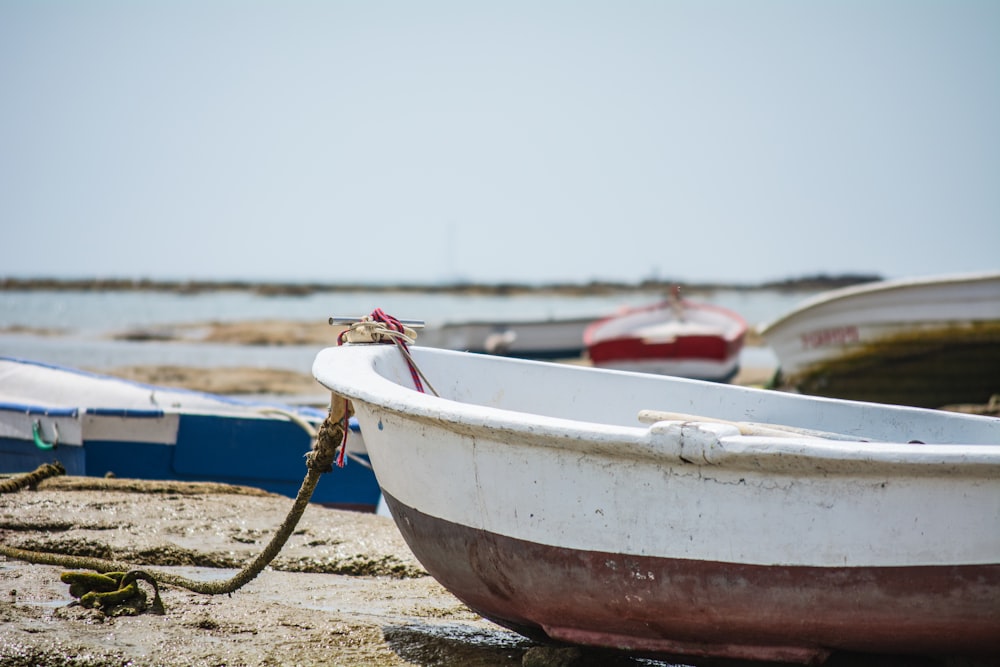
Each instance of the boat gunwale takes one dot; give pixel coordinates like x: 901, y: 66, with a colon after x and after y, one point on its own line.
x: 881, y: 286
x: 201, y: 402
x: 676, y: 442
x: 39, y: 410
x: 739, y: 329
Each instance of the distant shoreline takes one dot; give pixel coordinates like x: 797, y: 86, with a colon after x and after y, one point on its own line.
x: 265, y: 288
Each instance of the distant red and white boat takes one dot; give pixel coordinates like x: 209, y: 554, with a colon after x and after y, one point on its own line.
x: 675, y: 337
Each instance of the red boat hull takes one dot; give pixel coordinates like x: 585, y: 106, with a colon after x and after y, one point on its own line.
x: 675, y: 608
x: 680, y: 338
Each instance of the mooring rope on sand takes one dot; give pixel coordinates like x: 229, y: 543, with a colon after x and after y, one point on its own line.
x: 330, y: 437
x: 33, y: 478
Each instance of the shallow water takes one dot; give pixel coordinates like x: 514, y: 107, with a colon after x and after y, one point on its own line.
x: 99, y: 353
x: 102, y: 312
x: 96, y: 352
x: 85, y: 320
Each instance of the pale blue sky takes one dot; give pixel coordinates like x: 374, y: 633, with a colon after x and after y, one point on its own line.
x: 499, y: 141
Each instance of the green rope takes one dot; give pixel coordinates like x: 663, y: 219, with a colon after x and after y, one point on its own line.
x: 318, y: 461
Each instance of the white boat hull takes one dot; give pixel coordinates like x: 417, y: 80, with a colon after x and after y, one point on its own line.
x: 926, y: 341
x: 525, y: 339
x: 533, y: 493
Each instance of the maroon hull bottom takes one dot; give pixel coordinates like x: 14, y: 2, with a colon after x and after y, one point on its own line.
x: 673, y: 608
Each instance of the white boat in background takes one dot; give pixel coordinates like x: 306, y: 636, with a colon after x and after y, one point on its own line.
x: 676, y: 337
x: 677, y: 518
x: 927, y: 342
x: 555, y: 338
x: 97, y: 424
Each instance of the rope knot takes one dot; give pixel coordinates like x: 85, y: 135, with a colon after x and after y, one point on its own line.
x: 382, y: 328
x: 378, y: 328
x: 114, y: 593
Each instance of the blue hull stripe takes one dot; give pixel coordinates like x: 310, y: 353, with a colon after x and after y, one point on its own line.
x: 125, y: 412
x: 24, y: 409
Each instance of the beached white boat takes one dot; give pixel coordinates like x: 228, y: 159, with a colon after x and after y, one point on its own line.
x: 676, y: 337
x: 97, y: 424
x: 553, y: 338
x: 571, y: 503
x: 922, y: 341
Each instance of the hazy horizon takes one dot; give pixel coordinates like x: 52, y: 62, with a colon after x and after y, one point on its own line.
x: 13, y: 281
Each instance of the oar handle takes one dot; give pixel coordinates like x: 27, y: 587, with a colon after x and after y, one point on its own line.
x: 748, y: 428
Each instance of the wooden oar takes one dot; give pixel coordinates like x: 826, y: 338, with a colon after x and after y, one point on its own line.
x: 747, y: 428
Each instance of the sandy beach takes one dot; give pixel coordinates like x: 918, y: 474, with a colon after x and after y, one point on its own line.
x: 344, y: 591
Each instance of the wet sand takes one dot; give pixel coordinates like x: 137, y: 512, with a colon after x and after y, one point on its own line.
x: 231, y: 381
x: 285, y: 383
x: 272, y: 381
x: 247, y: 332
x: 345, y: 590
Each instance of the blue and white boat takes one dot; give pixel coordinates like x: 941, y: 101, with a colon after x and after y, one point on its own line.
x: 96, y: 425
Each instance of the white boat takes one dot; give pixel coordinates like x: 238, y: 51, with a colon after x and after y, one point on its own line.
x: 676, y: 337
x: 921, y: 341
x: 580, y: 505
x: 97, y: 424
x: 553, y: 338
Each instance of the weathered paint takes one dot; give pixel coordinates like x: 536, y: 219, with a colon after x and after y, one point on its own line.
x: 676, y: 607
x: 926, y: 367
